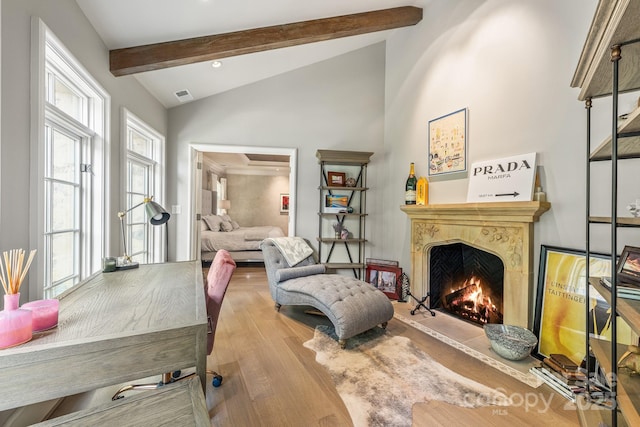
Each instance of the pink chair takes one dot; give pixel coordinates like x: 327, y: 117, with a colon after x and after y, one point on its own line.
x: 220, y: 272
x: 218, y: 278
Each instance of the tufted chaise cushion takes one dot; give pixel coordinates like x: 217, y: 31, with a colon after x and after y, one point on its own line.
x: 353, y: 306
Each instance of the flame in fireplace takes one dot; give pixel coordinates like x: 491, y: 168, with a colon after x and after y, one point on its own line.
x: 470, y: 302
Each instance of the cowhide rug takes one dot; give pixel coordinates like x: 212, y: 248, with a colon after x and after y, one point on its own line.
x: 380, y: 377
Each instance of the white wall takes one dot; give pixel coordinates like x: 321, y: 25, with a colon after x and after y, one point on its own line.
x: 68, y: 23
x: 335, y: 104
x: 510, y: 63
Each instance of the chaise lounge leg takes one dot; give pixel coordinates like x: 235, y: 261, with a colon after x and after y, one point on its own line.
x: 342, y: 343
x: 384, y: 325
x: 277, y: 306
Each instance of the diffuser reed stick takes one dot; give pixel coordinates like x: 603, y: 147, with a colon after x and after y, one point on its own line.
x: 14, y: 269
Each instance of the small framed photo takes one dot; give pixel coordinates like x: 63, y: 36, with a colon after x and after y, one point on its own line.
x: 337, y: 179
x: 284, y: 202
x: 629, y: 266
x: 386, y: 278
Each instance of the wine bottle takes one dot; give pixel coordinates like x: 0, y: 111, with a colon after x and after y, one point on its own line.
x: 410, y: 187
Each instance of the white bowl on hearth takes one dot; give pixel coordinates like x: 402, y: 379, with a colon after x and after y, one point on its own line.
x: 510, y: 341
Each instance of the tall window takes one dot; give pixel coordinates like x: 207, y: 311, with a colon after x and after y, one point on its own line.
x: 70, y: 144
x: 144, y: 178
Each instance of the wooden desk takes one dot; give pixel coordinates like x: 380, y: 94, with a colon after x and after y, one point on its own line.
x: 116, y: 327
x: 178, y: 404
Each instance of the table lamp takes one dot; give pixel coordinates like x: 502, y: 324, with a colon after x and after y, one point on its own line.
x: 225, y: 204
x: 157, y: 216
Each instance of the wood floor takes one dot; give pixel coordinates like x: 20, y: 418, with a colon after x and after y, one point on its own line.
x: 270, y: 379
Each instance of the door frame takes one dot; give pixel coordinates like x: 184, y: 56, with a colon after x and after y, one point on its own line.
x: 196, y: 183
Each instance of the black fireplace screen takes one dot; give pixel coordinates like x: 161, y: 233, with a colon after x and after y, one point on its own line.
x: 467, y: 282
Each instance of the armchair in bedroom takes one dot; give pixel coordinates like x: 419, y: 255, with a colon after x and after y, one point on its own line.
x: 352, y: 305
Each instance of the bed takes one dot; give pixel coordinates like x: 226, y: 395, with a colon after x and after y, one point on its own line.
x: 243, y: 243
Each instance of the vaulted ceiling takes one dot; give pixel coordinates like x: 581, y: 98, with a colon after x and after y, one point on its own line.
x: 252, y: 39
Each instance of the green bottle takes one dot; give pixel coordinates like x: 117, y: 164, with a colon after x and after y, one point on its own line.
x: 410, y: 187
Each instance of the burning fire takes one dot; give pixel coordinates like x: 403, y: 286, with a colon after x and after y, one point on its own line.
x: 469, y: 301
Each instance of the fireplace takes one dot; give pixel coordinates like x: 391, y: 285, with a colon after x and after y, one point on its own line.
x: 502, y: 229
x: 467, y: 283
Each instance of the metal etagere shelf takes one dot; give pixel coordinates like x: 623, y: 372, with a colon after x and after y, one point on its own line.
x: 608, y: 67
x: 335, y: 251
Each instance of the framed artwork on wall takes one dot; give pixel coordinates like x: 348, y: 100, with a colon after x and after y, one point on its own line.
x: 447, y: 144
x: 284, y: 202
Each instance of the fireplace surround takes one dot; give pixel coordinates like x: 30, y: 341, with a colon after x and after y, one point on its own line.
x: 504, y: 229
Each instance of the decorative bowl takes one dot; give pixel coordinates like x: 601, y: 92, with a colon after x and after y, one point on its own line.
x: 510, y: 341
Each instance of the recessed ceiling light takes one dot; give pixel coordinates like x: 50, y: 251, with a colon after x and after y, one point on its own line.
x: 216, y: 64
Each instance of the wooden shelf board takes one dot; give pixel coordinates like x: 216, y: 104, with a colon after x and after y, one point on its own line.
x: 615, y: 21
x: 622, y: 221
x: 590, y: 414
x: 628, y: 309
x: 340, y: 157
x: 342, y: 188
x: 629, y: 397
x: 629, y: 147
x: 343, y: 265
x: 628, y: 385
x: 341, y: 213
x: 337, y: 240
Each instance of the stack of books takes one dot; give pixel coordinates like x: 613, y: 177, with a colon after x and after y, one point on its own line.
x: 625, y: 290
x: 562, y: 375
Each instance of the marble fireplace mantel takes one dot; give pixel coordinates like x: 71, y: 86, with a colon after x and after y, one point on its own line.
x: 504, y: 229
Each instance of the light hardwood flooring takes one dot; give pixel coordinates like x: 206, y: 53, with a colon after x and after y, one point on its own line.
x: 270, y: 379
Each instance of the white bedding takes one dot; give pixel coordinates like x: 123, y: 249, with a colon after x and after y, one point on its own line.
x: 241, y: 239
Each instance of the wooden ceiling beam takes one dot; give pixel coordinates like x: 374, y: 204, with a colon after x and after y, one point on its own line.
x: 157, y: 56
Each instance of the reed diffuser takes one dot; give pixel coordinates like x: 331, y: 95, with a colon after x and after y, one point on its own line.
x: 14, y: 270
x: 15, y: 324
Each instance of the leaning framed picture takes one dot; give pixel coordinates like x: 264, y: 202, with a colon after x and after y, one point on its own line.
x: 385, y: 278
x: 284, y: 202
x: 447, y: 145
x: 629, y: 266
x: 560, y: 311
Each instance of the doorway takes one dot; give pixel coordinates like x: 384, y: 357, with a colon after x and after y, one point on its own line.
x: 197, y: 155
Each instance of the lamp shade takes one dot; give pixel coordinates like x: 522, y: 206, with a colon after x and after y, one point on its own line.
x: 156, y: 213
x: 225, y: 204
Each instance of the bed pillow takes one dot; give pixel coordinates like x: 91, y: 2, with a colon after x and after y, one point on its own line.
x: 226, y: 226
x: 203, y: 225
x: 234, y: 224
x: 213, y: 222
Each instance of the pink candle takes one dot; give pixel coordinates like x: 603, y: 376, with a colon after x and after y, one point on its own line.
x: 45, y: 313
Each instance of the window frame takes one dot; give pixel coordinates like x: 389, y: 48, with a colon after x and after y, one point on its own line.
x: 156, y: 235
x: 96, y: 117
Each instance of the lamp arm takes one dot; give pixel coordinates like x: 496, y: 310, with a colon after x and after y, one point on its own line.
x: 145, y: 200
